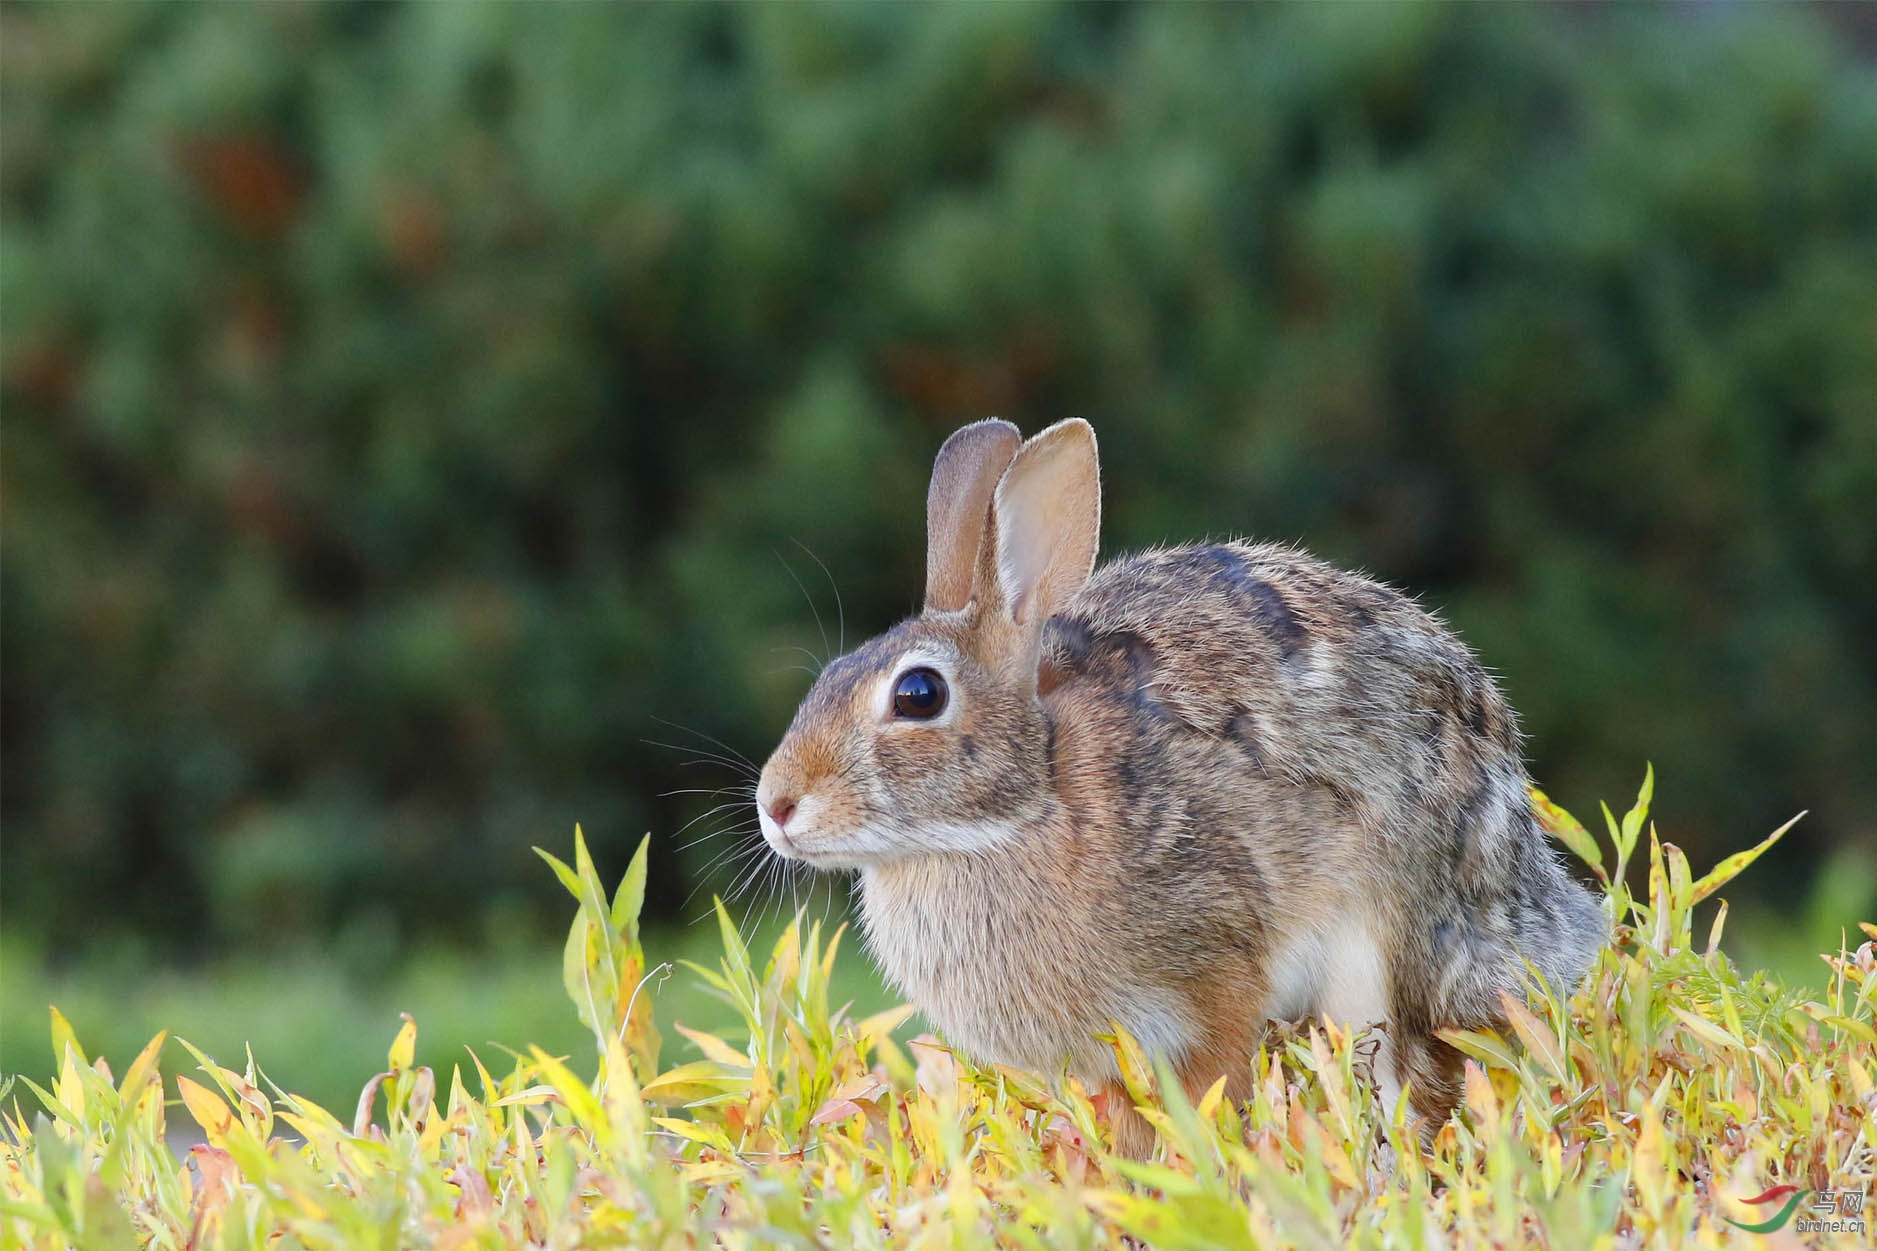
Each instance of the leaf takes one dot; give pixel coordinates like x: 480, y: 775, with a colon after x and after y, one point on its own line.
x: 1486, y: 1048
x: 207, y: 1108
x: 219, y: 1176
x: 361, y: 1117
x: 1707, y: 1031
x: 630, y: 897
x: 143, y: 1068
x: 1714, y: 930
x: 715, y: 1048
x: 835, y: 1109
x: 1569, y: 831
x: 528, y: 1096
x: 1730, y: 868
x: 593, y: 894
x: 697, y: 1080
x: 1859, y: 1029
x: 63, y: 1036
x: 1679, y: 888
x: 567, y: 876
x: 1137, y: 1075
x: 1330, y: 1079
x: 574, y: 1093
x: 712, y: 1172
x: 708, y: 1135
x: 1535, y: 1034
x: 1481, y: 1099
x: 882, y: 1024
x: 1633, y: 820
x: 576, y: 977
x: 1648, y: 1171
x: 404, y: 1047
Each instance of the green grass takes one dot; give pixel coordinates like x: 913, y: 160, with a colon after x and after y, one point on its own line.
x: 318, y: 1028
x: 1644, y: 1110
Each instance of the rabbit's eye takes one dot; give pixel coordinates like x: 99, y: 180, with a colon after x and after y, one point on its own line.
x: 919, y: 693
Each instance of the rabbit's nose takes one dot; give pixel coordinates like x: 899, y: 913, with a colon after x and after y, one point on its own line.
x: 781, y: 809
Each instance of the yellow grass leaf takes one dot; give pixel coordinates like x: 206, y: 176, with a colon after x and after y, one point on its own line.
x: 1330, y: 1078
x: 143, y: 1068
x: 1704, y: 1029
x: 697, y: 1080
x: 881, y: 1024
x: 1730, y: 868
x: 1569, y: 831
x: 711, y: 1172
x: 1535, y: 1034
x: 1481, y: 1100
x: 1210, y: 1102
x: 1486, y: 1048
x: 715, y: 1048
x: 63, y: 1038
x: 207, y: 1108
x: 404, y: 1047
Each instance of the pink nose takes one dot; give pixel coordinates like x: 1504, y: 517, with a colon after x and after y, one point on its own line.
x: 781, y: 810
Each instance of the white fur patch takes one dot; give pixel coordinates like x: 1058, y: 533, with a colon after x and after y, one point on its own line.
x: 876, y: 843
x: 1337, y: 973
x: 952, y: 835
x: 1319, y: 669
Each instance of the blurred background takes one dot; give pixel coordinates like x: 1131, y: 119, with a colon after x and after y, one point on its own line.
x: 410, y: 410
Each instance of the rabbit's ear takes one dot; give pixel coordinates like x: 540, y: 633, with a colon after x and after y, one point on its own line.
x: 1047, y: 524
x: 958, y: 506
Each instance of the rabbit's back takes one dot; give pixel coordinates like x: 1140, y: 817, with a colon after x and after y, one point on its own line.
x: 1293, y: 726
x: 1319, y: 675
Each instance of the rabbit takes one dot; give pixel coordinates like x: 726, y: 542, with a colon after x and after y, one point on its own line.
x: 1196, y: 790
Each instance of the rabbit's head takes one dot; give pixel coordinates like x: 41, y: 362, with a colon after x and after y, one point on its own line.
x: 930, y: 738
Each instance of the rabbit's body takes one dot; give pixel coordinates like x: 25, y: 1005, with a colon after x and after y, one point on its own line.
x: 1219, y: 785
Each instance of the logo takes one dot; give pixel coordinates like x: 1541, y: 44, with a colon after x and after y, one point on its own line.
x: 1845, y: 1205
x: 1781, y: 1217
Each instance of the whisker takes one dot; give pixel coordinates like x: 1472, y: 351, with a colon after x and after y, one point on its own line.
x: 740, y: 830
x: 807, y: 669
x: 708, y: 738
x: 822, y: 629
x: 724, y: 858
x: 839, y: 608
x: 737, y: 766
x: 735, y: 856
x: 730, y: 895
x: 732, y: 853
x: 708, y: 835
x: 743, y: 789
x: 707, y: 757
x: 749, y: 878
x: 797, y: 647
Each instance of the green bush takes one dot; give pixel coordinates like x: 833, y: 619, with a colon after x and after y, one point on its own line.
x: 407, y: 404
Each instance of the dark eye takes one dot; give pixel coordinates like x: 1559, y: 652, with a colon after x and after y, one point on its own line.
x: 919, y: 693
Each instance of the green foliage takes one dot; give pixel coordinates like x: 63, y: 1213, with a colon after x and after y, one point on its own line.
x: 406, y: 403
x: 1642, y: 1110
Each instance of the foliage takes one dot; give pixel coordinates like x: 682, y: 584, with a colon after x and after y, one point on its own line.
x: 402, y: 401
x: 1640, y: 1111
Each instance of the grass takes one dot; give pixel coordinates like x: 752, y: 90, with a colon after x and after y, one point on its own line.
x: 319, y: 1027
x: 1642, y: 1110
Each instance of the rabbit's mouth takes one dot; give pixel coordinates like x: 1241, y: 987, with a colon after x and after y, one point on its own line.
x: 788, y: 829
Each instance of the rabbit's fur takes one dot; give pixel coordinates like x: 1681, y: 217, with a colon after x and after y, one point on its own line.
x: 1194, y: 790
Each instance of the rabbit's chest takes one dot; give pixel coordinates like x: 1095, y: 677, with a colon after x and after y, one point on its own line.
x: 1005, y: 983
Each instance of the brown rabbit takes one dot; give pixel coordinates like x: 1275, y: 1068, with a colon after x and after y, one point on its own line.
x: 1192, y: 791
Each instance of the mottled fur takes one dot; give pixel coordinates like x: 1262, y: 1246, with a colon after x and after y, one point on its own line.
x: 1196, y: 788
